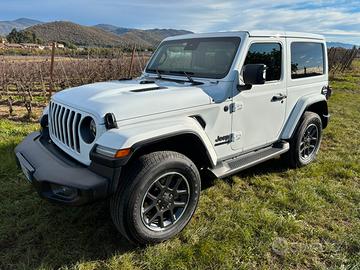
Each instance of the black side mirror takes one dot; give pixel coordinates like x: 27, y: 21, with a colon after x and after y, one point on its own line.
x: 254, y: 74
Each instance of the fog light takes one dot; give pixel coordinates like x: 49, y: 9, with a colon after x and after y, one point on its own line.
x: 65, y: 192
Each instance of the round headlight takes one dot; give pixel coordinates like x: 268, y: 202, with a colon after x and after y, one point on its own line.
x: 88, y: 129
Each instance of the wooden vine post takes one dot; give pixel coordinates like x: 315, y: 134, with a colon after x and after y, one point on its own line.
x: 51, y: 85
x: 132, y: 61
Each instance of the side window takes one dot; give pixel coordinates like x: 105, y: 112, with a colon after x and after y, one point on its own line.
x: 307, y: 59
x: 268, y: 54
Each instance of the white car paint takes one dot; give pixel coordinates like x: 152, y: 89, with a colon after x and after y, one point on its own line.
x: 132, y: 134
x: 144, y: 114
x: 260, y: 121
x: 130, y: 99
x: 298, y: 111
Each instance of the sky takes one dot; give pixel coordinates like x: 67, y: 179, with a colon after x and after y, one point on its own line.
x: 338, y: 20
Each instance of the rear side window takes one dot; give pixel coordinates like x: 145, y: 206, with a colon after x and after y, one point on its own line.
x: 268, y: 54
x: 307, y: 59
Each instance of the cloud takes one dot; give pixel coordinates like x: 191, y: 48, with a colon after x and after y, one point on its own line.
x: 335, y: 19
x: 338, y: 20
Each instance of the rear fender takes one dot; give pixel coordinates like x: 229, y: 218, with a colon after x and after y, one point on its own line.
x: 301, y: 106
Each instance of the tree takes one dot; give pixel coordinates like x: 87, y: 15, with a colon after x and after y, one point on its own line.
x: 22, y: 37
x: 13, y: 36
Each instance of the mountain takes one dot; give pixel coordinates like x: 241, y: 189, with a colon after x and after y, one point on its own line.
x: 151, y: 36
x: 339, y: 44
x: 19, y: 24
x: 113, y: 29
x: 102, y: 35
x: 77, y: 34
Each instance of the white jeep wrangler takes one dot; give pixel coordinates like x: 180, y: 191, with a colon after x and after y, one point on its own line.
x: 216, y: 103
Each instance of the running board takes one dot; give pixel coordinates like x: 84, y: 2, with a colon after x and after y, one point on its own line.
x: 242, y: 162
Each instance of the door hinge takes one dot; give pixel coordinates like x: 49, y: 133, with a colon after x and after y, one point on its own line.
x: 235, y: 136
x: 235, y: 106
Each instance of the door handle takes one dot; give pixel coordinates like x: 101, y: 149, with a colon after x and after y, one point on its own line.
x: 278, y: 97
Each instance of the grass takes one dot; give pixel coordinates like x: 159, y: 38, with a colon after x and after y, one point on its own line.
x: 263, y: 218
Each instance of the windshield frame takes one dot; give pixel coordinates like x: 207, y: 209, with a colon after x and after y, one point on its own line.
x: 236, y: 39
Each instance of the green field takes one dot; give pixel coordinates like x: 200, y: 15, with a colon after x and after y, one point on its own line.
x: 264, y: 218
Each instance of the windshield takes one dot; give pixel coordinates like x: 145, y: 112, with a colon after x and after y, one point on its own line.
x: 198, y: 57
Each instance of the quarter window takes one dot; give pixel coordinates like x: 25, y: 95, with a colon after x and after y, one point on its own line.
x: 307, y: 59
x: 268, y: 54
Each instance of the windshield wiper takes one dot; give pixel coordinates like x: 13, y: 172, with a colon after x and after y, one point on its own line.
x: 189, y: 77
x: 160, y: 77
x: 186, y: 74
x: 158, y: 72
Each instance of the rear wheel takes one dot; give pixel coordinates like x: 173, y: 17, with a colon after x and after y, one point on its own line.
x: 306, y: 141
x: 158, y: 197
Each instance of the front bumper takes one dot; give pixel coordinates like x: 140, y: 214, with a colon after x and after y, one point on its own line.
x: 46, y: 167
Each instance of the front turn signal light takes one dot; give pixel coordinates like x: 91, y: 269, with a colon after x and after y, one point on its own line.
x: 112, y: 153
x: 123, y: 153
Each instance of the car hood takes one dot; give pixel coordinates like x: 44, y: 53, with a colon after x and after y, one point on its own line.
x: 130, y: 99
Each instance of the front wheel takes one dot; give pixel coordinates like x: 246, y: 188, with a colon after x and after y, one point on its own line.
x: 157, y: 198
x: 305, y: 143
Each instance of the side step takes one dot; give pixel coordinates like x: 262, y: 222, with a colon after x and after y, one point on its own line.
x: 242, y: 162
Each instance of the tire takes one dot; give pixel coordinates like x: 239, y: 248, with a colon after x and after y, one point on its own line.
x: 306, y: 141
x: 157, y: 198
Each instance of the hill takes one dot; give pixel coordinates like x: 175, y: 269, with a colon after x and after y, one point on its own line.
x: 113, y: 29
x: 80, y: 35
x: 102, y: 35
x: 19, y: 24
x: 152, y: 36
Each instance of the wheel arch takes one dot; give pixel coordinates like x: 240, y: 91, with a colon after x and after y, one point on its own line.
x: 320, y: 108
x: 183, y: 135
x: 313, y: 103
x: 187, y: 143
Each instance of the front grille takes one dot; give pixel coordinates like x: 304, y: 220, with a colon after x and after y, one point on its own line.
x: 64, y: 125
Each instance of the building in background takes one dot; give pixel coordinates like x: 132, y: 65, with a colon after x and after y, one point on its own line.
x: 13, y: 46
x: 32, y: 46
x: 60, y: 46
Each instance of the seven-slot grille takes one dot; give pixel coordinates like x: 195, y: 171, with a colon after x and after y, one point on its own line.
x: 64, y: 125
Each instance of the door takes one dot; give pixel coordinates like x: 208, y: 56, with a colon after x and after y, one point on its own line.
x: 259, y: 113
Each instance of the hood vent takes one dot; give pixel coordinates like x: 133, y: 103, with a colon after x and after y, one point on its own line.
x: 149, y: 89
x: 146, y: 82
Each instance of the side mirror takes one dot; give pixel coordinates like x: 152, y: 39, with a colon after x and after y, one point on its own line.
x: 254, y: 74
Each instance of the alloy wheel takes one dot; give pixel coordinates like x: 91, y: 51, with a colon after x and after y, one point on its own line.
x: 309, y: 142
x: 165, y: 201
